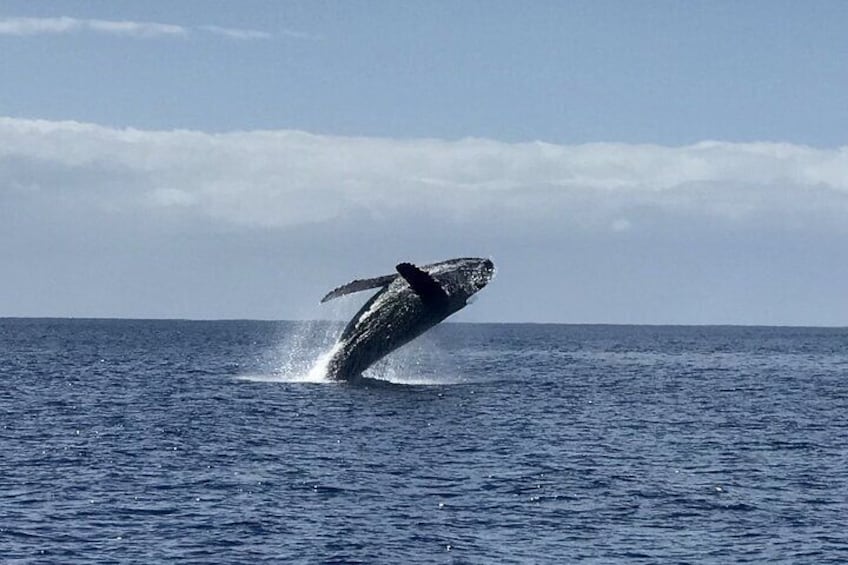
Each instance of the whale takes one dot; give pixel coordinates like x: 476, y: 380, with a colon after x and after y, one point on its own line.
x: 410, y: 301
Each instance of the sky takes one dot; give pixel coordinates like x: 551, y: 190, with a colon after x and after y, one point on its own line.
x: 621, y: 162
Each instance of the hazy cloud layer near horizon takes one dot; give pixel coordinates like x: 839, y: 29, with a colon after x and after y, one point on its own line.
x: 124, y: 222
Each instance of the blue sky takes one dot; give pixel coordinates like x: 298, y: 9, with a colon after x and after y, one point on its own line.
x: 563, y: 72
x: 637, y: 162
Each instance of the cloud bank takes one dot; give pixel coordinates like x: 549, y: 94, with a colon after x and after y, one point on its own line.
x: 101, y: 221
x: 280, y: 179
x: 23, y: 26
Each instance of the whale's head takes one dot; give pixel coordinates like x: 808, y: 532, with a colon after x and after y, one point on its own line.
x: 463, y: 278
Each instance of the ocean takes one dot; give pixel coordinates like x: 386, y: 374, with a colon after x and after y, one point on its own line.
x: 219, y: 442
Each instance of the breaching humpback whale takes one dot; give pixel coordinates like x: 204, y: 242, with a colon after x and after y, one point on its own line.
x: 409, y: 303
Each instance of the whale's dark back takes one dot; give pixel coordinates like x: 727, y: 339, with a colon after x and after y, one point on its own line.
x: 398, y: 314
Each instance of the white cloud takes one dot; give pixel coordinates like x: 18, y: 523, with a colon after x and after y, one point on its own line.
x: 135, y: 29
x: 38, y: 26
x: 277, y: 179
x: 22, y: 26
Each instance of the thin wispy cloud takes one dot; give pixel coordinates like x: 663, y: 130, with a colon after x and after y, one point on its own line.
x: 62, y: 25
x: 234, y: 33
x: 23, y: 26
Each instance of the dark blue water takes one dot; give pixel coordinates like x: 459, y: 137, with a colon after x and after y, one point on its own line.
x: 172, y: 441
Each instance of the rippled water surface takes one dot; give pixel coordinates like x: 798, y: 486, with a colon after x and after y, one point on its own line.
x: 174, y: 441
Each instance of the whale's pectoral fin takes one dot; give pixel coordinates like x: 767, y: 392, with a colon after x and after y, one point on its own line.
x: 425, y: 286
x: 357, y: 285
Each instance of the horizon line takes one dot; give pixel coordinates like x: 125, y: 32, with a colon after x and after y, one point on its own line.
x: 488, y: 323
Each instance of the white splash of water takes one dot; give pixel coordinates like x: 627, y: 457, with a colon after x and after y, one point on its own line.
x: 318, y: 372
x: 304, y: 353
x: 422, y: 362
x: 302, y: 356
